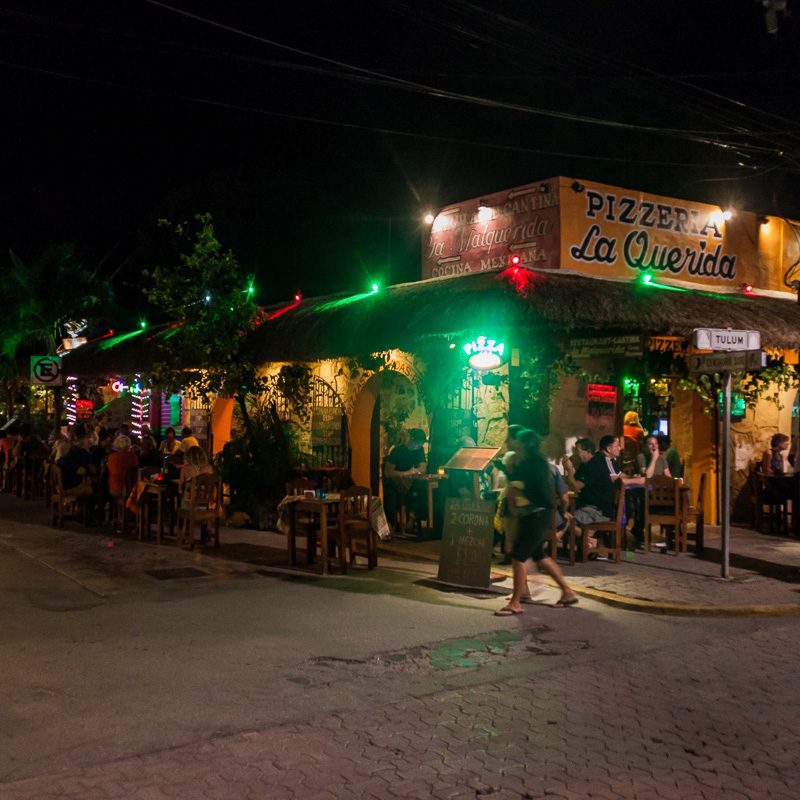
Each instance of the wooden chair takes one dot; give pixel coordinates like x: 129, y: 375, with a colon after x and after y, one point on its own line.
x: 67, y: 504
x: 119, y: 512
x: 146, y: 502
x: 630, y: 450
x: 205, y: 506
x: 611, y: 528
x: 304, y: 523
x: 355, y: 522
x: 769, y: 504
x: 567, y: 538
x: 662, y: 507
x: 696, y: 513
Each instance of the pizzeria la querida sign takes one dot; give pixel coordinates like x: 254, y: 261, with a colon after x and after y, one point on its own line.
x: 605, y: 230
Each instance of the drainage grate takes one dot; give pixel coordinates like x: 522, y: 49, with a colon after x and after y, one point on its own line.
x: 175, y: 572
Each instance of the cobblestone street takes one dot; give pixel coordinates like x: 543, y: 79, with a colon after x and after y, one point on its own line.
x: 254, y: 682
x: 718, y: 722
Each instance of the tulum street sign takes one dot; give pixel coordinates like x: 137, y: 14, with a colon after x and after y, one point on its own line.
x: 726, y: 339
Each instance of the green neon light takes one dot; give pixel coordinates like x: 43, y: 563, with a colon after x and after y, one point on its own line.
x: 699, y: 292
x: 170, y: 332
x: 115, y: 340
x: 345, y: 301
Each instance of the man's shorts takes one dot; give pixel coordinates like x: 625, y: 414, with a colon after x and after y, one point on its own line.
x: 589, y: 514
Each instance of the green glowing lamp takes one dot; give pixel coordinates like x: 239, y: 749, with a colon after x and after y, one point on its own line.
x: 647, y: 278
x: 375, y: 288
x: 143, y: 323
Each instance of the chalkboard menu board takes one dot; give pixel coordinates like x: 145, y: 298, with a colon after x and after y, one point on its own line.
x: 466, y: 555
x: 326, y: 425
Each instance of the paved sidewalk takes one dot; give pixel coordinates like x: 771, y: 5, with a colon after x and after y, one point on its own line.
x: 764, y: 576
x: 574, y: 732
x: 765, y: 571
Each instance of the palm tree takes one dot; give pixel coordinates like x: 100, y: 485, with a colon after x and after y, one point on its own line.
x: 45, y: 295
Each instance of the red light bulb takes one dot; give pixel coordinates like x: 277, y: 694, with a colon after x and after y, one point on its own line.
x: 515, y: 260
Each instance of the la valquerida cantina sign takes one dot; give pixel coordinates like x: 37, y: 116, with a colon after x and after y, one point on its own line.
x: 484, y: 233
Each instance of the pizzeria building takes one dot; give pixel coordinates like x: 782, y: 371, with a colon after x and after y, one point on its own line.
x: 584, y: 299
x: 561, y: 305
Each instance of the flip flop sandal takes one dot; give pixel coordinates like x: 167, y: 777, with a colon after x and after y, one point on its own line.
x: 507, y: 612
x: 565, y: 603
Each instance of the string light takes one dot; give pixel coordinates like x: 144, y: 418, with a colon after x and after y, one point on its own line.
x: 71, y: 406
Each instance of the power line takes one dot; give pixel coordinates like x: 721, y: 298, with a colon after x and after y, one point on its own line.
x: 697, y: 136
x: 354, y: 126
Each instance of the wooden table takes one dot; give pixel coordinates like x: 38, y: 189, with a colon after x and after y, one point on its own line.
x: 322, y: 507
x: 166, y: 492
x: 433, y: 483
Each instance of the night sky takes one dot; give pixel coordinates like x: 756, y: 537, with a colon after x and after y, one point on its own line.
x: 119, y: 113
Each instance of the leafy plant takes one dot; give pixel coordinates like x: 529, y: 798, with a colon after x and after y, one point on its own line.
x: 212, y: 305
x: 258, y: 461
x: 753, y: 386
x: 544, y: 371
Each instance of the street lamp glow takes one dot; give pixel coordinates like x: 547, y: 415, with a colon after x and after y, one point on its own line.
x: 429, y: 218
x: 484, y: 212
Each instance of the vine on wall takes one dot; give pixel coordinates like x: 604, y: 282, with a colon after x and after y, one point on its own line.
x: 753, y: 386
x: 545, y: 370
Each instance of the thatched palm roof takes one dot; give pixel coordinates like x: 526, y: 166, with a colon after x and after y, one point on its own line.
x: 514, y: 303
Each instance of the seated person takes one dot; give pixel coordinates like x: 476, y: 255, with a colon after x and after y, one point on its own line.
x: 582, y: 452
x: 652, y: 462
x: 594, y: 480
x: 169, y: 445
x: 187, y: 440
x: 28, y: 444
x: 119, y: 462
x: 778, y: 486
x: 772, y: 459
x: 671, y: 455
x: 404, y: 462
x: 149, y: 455
x: 75, y: 465
x: 559, y: 486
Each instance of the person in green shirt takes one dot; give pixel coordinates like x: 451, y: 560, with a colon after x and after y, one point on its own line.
x: 671, y: 455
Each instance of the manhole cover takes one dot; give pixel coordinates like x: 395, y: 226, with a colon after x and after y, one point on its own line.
x: 175, y: 572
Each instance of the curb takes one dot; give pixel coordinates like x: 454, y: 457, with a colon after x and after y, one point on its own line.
x: 634, y: 604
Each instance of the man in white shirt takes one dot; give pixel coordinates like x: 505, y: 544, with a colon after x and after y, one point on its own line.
x: 187, y: 440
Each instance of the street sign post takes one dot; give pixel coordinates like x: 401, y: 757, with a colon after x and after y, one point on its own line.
x: 726, y: 339
x: 726, y: 479
x: 737, y: 356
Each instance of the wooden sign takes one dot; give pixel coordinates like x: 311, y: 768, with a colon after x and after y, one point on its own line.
x: 602, y: 346
x: 326, y: 426
x: 197, y: 420
x: 466, y: 554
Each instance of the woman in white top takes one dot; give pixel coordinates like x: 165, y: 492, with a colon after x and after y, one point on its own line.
x: 170, y: 444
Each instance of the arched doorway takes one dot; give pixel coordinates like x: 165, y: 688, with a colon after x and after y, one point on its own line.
x: 386, y: 404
